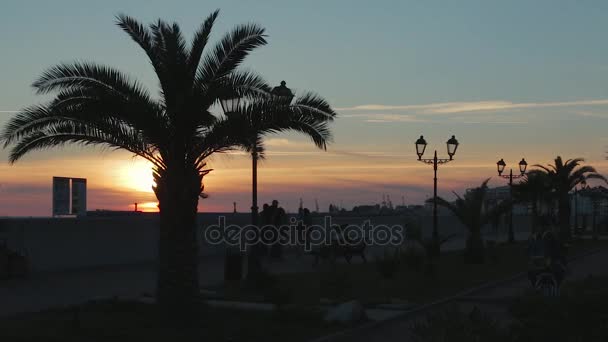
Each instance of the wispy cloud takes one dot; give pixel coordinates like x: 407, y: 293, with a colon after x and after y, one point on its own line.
x: 591, y: 114
x: 277, y: 142
x: 9, y: 111
x: 383, y: 117
x: 471, y: 107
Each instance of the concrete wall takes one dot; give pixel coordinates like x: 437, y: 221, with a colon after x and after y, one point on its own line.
x: 55, y: 244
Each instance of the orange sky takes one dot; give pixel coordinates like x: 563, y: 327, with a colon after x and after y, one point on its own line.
x: 291, y: 170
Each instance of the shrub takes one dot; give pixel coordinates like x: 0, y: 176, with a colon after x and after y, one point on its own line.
x: 452, y: 325
x: 413, y: 231
x: 413, y: 255
x: 336, y: 284
x: 580, y: 314
x: 388, y: 263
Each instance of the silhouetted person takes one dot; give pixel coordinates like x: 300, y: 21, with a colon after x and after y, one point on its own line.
x: 265, y: 220
x: 546, y: 253
x: 278, y: 219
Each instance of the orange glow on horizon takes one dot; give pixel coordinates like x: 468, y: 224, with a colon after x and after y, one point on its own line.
x: 148, y: 207
x: 136, y: 175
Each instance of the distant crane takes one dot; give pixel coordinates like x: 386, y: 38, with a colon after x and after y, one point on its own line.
x: 316, y: 205
x: 234, y: 206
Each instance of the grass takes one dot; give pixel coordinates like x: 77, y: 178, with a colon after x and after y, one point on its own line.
x: 363, y: 281
x: 132, y: 321
x: 579, y: 314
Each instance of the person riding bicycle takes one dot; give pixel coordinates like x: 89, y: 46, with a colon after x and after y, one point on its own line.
x: 546, y: 257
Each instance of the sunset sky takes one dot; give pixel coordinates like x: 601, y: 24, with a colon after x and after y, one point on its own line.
x: 510, y: 79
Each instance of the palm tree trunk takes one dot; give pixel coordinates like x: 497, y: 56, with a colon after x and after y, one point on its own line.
x: 178, y: 283
x: 535, y: 217
x: 564, y: 218
x: 475, y: 249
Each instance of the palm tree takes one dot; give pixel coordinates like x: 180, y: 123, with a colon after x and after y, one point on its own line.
x: 176, y: 131
x: 535, y: 190
x: 596, y: 195
x: 469, y: 209
x: 256, y: 118
x: 563, y: 177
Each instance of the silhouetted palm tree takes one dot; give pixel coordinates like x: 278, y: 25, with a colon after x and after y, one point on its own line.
x: 176, y: 132
x: 470, y: 210
x: 563, y: 177
x: 596, y: 195
x: 535, y: 190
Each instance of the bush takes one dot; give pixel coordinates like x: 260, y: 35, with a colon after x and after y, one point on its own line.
x: 413, y: 231
x: 580, y: 314
x: 336, y: 284
x: 272, y: 289
x: 474, y: 250
x: 388, y: 263
x: 413, y: 255
x: 452, y: 325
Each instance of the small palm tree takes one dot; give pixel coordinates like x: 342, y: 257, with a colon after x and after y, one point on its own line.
x: 535, y: 190
x: 563, y: 177
x: 176, y: 131
x: 597, y: 196
x: 470, y: 210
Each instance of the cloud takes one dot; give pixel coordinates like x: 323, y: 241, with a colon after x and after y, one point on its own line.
x: 277, y: 142
x: 591, y: 114
x: 471, y: 107
x: 9, y: 111
x: 383, y: 117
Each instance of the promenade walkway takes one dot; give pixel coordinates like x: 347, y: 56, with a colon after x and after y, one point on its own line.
x: 493, y: 301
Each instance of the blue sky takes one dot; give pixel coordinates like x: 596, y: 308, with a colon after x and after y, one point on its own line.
x: 508, y: 78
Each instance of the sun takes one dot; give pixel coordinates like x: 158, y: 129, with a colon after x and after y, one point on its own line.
x: 137, y: 175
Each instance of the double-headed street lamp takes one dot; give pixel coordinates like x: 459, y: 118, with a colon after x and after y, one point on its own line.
x: 452, y: 145
x: 522, y: 170
x: 583, y: 185
x: 230, y: 107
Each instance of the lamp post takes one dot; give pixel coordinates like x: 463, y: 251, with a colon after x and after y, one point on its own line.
x: 452, y: 145
x: 230, y: 107
x: 576, y: 209
x: 523, y: 165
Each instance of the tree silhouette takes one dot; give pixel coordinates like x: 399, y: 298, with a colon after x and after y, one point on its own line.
x: 535, y: 190
x: 470, y: 211
x: 563, y: 177
x: 175, y: 131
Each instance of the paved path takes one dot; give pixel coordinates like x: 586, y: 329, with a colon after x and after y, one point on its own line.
x: 57, y: 289
x: 493, y: 301
x: 43, y: 291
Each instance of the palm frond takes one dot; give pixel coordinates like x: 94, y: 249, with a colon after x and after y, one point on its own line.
x: 230, y: 51
x: 141, y: 35
x: 64, y: 77
x: 91, y: 107
x: 201, y: 37
x: 75, y: 132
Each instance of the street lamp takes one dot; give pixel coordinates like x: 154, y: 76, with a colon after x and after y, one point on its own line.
x: 452, y: 146
x: 500, y: 165
x: 230, y: 107
x: 283, y: 92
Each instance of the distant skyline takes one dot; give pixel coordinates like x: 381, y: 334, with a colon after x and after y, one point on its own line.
x: 510, y: 79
